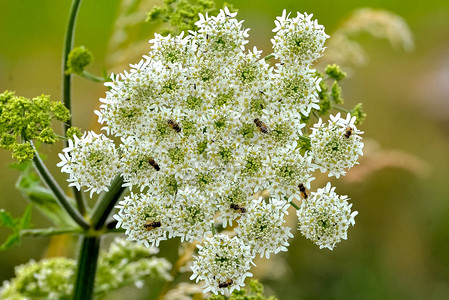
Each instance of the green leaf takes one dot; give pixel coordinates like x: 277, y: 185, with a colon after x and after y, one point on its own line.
x: 25, y: 221
x: 44, y: 201
x: 12, y: 240
x: 16, y: 225
x: 6, y: 220
x: 29, y: 184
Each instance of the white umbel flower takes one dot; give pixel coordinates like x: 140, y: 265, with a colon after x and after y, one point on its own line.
x: 146, y: 218
x: 298, y: 40
x: 325, y: 217
x: 140, y: 165
x: 193, y: 216
x: 336, y: 146
x: 262, y: 227
x: 222, y: 263
x: 91, y: 161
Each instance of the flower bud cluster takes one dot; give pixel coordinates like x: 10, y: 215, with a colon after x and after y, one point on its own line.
x: 123, y: 264
x: 203, y: 125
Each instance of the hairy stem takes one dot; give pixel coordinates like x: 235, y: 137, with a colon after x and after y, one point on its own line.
x: 60, y: 196
x: 87, y: 267
x: 67, y: 87
x: 106, y: 203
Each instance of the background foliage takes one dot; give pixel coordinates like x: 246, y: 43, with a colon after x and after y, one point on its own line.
x: 398, y: 248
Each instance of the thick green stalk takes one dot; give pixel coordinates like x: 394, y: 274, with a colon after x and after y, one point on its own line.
x: 67, y: 87
x: 57, y: 191
x: 106, y: 203
x: 87, y: 267
x: 68, y: 45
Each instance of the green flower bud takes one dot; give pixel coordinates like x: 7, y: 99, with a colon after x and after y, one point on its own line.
x: 23, y: 152
x: 7, y: 141
x: 60, y: 112
x: 335, y: 72
x: 73, y: 131
x: 79, y: 59
x: 256, y: 286
x: 336, y: 93
x: 5, y: 97
x: 47, y: 136
x: 358, y: 113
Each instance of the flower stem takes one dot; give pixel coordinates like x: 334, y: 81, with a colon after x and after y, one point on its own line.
x: 294, y: 205
x: 67, y: 87
x: 270, y: 56
x: 57, y: 191
x: 106, y: 203
x: 68, y: 45
x: 341, y: 109
x: 92, y: 77
x: 49, y: 231
x: 87, y: 267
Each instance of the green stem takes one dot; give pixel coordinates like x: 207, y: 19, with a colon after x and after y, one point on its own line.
x: 87, y: 267
x: 57, y: 191
x: 341, y: 109
x: 68, y: 45
x: 67, y: 87
x: 115, y: 230
x: 294, y: 205
x: 91, y: 76
x: 214, y: 231
x: 106, y: 203
x: 80, y: 201
x: 49, y: 231
x: 270, y: 56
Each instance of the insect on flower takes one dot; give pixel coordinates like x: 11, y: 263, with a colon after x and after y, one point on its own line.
x: 303, y: 191
x: 225, y: 283
x: 238, y: 208
x: 149, y: 225
x: 153, y: 164
x: 261, y: 126
x: 348, y: 132
x: 174, y: 125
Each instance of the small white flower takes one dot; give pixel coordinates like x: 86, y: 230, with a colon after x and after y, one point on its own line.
x: 91, y: 161
x: 298, y: 40
x: 193, y: 216
x: 325, y: 217
x: 262, y: 227
x: 146, y: 219
x: 222, y: 263
x: 336, y: 146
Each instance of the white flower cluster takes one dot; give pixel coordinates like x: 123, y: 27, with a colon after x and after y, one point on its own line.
x: 325, y: 217
x: 91, y: 161
x: 223, y: 263
x: 298, y: 40
x: 336, y: 146
x: 205, y: 124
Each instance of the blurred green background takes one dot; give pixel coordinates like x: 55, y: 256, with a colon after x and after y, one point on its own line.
x: 399, y: 248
